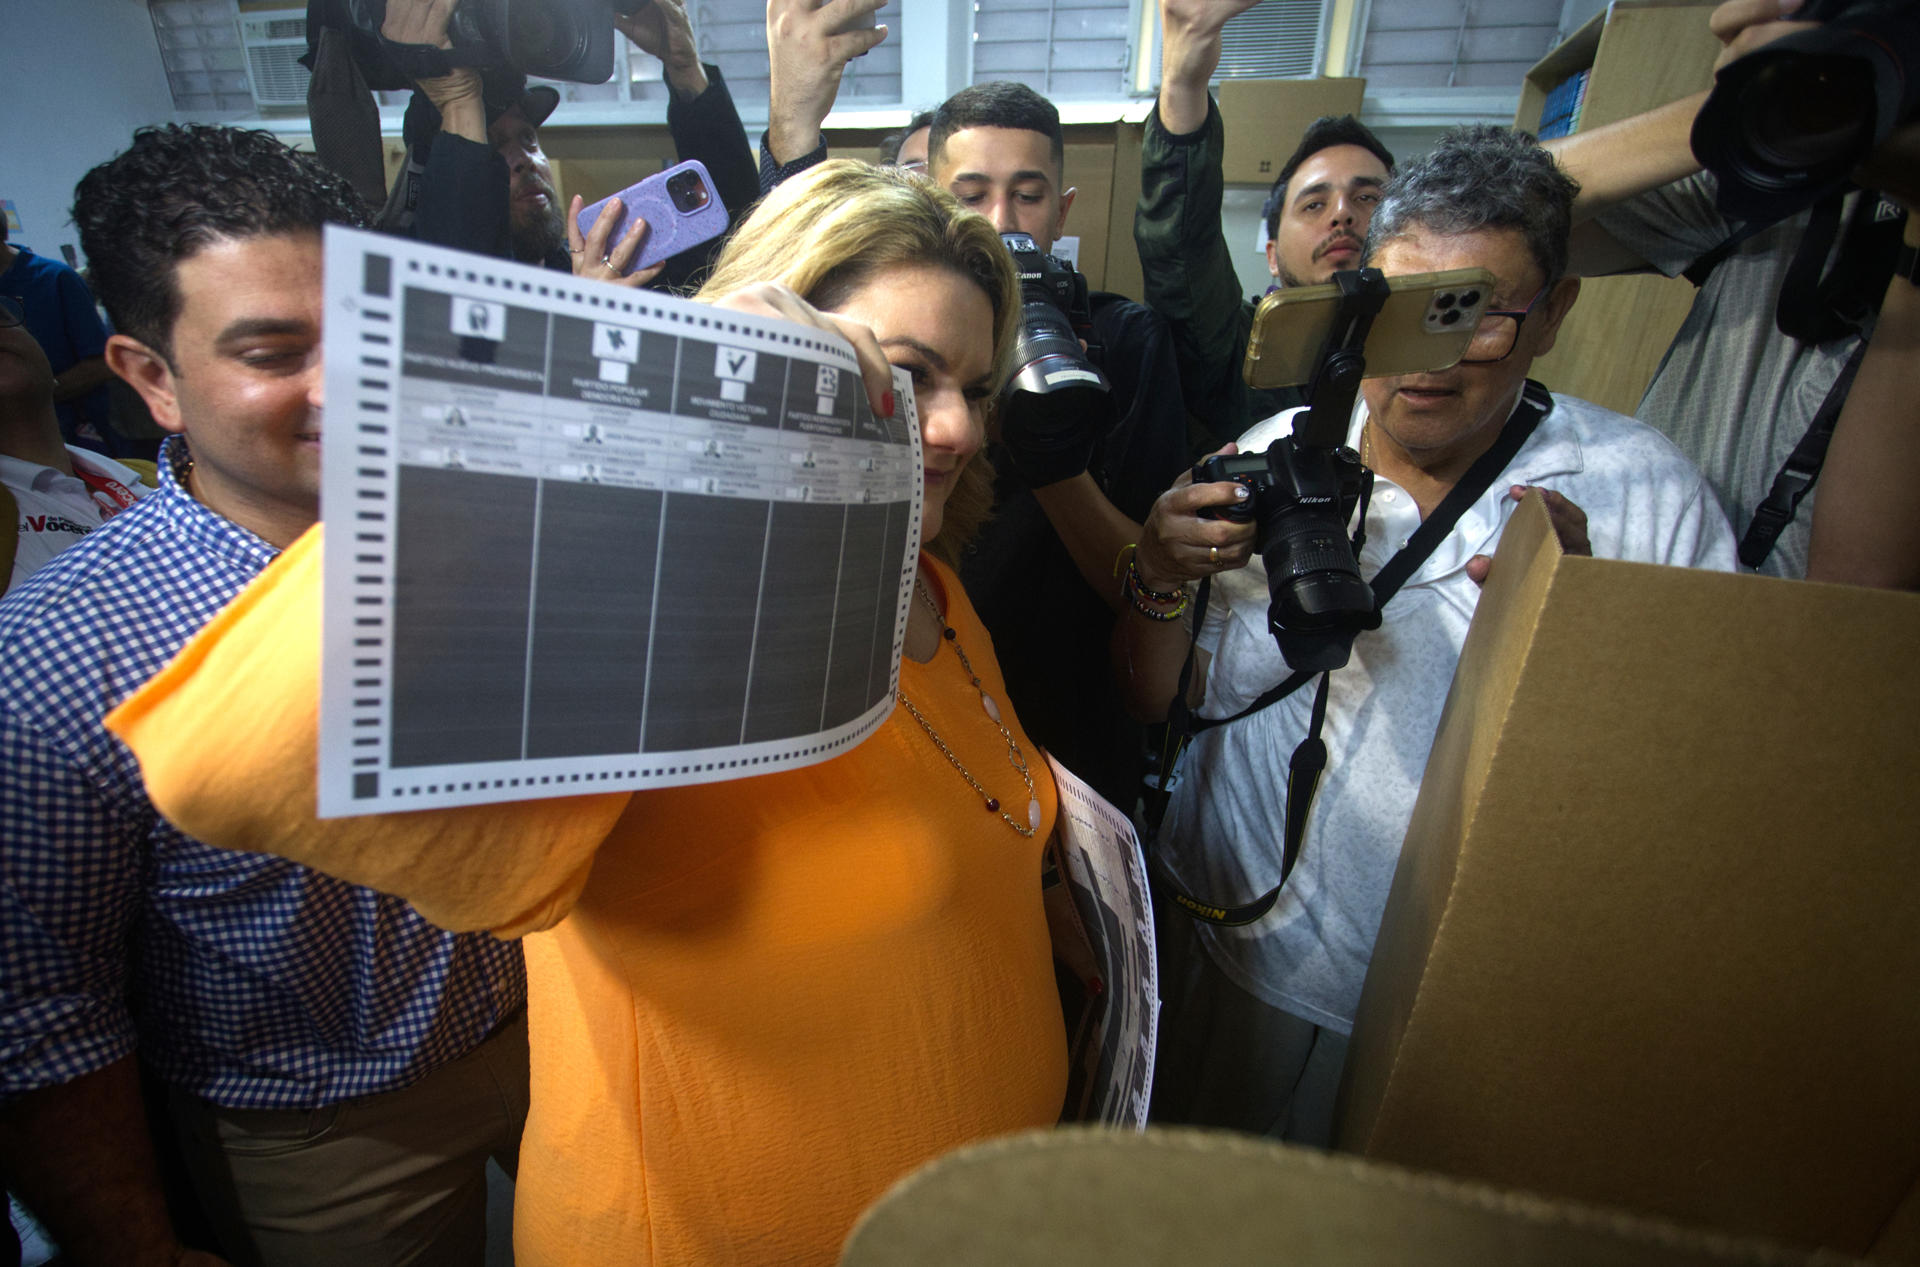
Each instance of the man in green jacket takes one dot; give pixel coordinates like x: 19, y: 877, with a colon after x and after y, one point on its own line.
x: 1317, y: 218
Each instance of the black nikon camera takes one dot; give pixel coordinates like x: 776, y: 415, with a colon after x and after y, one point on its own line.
x: 1302, y: 498
x: 1057, y: 403
x: 1305, y: 487
x: 1785, y: 124
x: 547, y: 39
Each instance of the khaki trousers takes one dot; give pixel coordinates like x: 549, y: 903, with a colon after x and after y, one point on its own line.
x: 379, y: 1181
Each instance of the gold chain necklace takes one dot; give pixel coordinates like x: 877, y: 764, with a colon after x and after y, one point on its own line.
x: 1015, y: 757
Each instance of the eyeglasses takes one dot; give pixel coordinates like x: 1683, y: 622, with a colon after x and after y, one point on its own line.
x: 1498, y: 331
x: 11, y: 314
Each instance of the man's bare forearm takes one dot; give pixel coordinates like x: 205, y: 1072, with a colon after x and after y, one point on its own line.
x: 79, y: 1155
x: 1866, y: 517
x: 1625, y: 159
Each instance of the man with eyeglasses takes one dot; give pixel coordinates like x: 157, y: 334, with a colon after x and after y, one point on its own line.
x: 51, y: 493
x: 1257, y: 1016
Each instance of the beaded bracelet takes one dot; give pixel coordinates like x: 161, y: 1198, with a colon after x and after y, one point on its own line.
x: 1154, y: 613
x: 1140, y: 587
x: 1141, y: 597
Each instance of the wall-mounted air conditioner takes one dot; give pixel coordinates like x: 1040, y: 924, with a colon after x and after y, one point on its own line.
x: 275, y: 40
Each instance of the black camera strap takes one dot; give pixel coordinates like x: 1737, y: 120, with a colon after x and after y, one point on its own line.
x: 1795, y: 478
x: 1309, y: 760
x: 1822, y: 297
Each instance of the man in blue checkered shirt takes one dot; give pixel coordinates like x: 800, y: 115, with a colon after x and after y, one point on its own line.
x: 338, y: 1070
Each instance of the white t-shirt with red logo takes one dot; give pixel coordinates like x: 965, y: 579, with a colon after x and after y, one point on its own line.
x: 57, y: 509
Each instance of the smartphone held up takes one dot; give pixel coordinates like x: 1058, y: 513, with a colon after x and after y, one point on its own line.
x: 680, y: 205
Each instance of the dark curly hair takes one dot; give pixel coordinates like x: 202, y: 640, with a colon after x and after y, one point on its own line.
x: 176, y: 190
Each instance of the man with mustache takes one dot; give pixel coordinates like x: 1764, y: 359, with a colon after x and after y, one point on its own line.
x: 1316, y: 218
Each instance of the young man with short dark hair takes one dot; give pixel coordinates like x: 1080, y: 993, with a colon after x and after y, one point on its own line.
x: 1041, y: 571
x: 338, y: 1070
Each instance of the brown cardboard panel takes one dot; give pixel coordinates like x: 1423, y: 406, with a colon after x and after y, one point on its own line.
x: 1653, y: 939
x: 1089, y: 169
x: 1123, y: 272
x: 1265, y: 117
x: 1089, y: 1197
x: 1461, y: 757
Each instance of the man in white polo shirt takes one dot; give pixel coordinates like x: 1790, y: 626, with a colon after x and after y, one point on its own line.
x: 1259, y: 1003
x: 58, y: 494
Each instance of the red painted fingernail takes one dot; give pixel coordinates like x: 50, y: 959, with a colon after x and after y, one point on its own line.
x: 886, y: 404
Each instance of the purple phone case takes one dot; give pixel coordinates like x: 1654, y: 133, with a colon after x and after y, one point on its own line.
x: 669, y: 230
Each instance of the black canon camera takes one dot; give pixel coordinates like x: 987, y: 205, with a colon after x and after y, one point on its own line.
x: 1057, y: 403
x: 1304, y: 490
x: 1785, y: 124
x: 547, y: 39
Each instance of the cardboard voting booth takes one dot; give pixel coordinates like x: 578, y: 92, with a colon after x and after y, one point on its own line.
x: 1654, y: 941
x: 1077, y: 1197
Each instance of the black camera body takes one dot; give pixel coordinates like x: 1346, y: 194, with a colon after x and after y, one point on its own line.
x: 1787, y: 123
x: 1057, y: 403
x: 1301, y: 499
x: 1304, y: 490
x: 547, y: 39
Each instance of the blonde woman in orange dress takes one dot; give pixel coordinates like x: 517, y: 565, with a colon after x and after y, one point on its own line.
x: 752, y: 1005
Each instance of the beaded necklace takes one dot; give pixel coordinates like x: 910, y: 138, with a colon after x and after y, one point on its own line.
x: 1014, y: 756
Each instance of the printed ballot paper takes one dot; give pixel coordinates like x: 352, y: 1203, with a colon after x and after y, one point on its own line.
x: 584, y: 538
x: 1100, y: 915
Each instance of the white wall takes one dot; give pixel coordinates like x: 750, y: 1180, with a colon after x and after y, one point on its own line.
x: 80, y: 75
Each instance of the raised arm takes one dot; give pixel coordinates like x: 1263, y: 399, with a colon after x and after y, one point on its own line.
x: 1626, y: 159
x: 1188, y: 270
x: 1189, y: 54
x: 457, y: 95
x: 703, y: 120
x: 808, y: 48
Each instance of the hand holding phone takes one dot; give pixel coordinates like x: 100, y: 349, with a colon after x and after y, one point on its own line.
x: 681, y: 208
